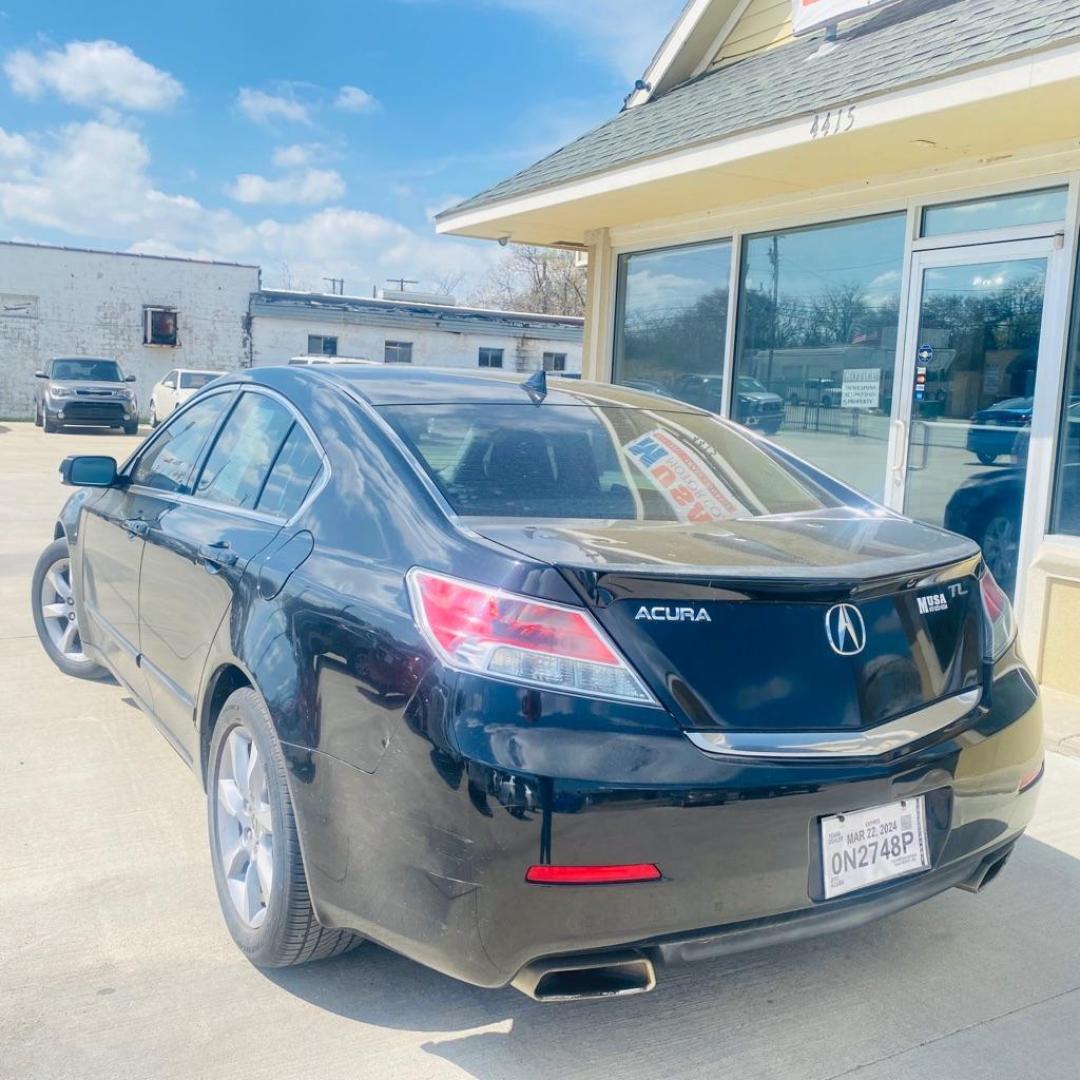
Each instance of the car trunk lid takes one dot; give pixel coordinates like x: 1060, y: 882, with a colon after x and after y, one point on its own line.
x: 827, y: 621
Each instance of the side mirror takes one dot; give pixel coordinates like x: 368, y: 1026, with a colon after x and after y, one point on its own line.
x: 88, y: 470
x: 40, y: 375
x: 129, y: 378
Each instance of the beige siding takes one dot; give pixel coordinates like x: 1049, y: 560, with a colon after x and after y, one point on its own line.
x: 764, y: 24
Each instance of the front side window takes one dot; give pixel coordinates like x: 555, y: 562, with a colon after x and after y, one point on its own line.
x: 398, y: 352
x: 321, y: 345
x: 89, y: 370
x: 491, y: 358
x: 569, y: 461
x: 169, y: 382
x: 672, y: 314
x: 554, y: 361
x: 245, y: 450
x: 160, y: 327
x: 170, y: 458
x: 815, y: 345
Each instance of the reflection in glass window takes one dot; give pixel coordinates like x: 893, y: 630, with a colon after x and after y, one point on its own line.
x: 1066, y: 514
x: 672, y: 322
x: 816, y: 343
x: 1005, y: 211
x: 245, y: 449
x: 609, y: 464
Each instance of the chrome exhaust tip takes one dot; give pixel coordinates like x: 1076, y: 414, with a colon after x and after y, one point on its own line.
x: 581, y: 978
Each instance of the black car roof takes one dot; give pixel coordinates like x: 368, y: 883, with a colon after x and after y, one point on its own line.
x: 408, y: 385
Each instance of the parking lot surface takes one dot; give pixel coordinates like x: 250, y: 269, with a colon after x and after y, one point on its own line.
x: 114, y: 961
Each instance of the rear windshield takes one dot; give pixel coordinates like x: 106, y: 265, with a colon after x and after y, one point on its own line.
x: 91, y: 370
x: 194, y: 380
x: 573, y: 461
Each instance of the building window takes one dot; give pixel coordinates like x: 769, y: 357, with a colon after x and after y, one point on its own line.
x: 398, y: 352
x: 320, y: 345
x: 554, y: 361
x: 975, y: 215
x: 1066, y: 505
x: 815, y: 344
x: 672, y: 316
x: 491, y: 358
x: 160, y: 327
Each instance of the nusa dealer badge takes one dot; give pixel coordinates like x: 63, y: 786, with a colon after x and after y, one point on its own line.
x: 662, y: 613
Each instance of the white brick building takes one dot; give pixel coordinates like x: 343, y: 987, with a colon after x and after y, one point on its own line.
x: 58, y: 301
x: 153, y: 314
x: 286, y: 324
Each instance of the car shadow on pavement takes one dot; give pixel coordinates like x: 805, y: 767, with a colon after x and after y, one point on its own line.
x: 823, y: 1006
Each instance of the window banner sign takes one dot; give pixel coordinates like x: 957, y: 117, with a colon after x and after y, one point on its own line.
x: 808, y: 15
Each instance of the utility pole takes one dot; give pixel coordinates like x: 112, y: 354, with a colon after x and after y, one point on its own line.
x: 401, y: 282
x: 337, y: 285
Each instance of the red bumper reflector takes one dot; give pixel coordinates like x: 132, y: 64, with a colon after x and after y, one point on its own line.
x: 592, y: 875
x: 1032, y: 778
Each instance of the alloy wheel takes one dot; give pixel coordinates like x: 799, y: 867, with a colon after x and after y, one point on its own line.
x: 57, y: 604
x: 245, y: 834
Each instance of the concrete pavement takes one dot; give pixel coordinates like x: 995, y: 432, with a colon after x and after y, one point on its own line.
x: 114, y: 961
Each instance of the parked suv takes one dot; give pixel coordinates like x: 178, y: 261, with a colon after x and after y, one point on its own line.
x: 541, y: 683
x: 85, y: 391
x: 179, y: 385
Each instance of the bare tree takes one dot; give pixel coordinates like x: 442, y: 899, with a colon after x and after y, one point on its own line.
x: 544, y: 280
x: 448, y: 284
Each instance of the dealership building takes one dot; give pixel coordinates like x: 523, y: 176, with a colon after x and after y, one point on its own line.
x: 853, y: 224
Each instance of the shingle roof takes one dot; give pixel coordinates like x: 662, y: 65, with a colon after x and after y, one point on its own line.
x: 912, y: 42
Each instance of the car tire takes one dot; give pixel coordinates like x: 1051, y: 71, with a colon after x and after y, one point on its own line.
x: 254, y: 847
x: 999, y: 539
x: 51, y: 425
x: 985, y: 457
x: 53, y: 605
x: 132, y: 428
x: 153, y: 415
x: 37, y: 416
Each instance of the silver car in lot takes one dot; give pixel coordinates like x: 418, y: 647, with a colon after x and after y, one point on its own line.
x: 85, y: 391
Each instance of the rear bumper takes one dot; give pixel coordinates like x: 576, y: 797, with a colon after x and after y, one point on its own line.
x: 427, y: 853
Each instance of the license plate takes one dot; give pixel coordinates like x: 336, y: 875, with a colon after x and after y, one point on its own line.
x: 869, y: 846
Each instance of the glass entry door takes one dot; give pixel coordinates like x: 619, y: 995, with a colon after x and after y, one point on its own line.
x: 976, y: 326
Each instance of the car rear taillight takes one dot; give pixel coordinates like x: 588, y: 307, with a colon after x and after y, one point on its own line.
x: 520, y: 639
x: 1000, y: 621
x: 593, y: 875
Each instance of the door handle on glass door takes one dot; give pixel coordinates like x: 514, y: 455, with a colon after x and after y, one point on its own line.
x: 901, y: 448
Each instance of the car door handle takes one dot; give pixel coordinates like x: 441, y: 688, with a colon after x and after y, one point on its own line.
x: 217, y: 555
x: 135, y: 527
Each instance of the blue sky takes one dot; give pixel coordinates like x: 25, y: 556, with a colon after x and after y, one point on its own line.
x: 311, y: 139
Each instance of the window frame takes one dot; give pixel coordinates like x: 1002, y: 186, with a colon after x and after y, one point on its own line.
x: 395, y: 345
x: 237, y: 391
x: 149, y: 311
x: 491, y: 350
x: 554, y: 370
x: 322, y: 339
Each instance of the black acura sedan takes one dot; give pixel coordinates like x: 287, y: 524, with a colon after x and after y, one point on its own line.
x: 542, y: 684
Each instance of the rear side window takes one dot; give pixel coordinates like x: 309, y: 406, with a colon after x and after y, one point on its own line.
x: 194, y: 380
x: 168, y: 462
x: 244, y: 452
x: 293, y: 472
x: 600, y: 463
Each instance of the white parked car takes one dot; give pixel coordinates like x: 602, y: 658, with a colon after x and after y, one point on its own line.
x: 175, y: 389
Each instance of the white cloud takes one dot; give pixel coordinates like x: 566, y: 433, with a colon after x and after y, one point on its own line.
x: 623, y: 33
x: 432, y: 211
x: 295, y: 156
x: 353, y: 99
x: 262, y: 108
x: 92, y: 181
x: 92, y: 73
x: 308, y: 187
x: 14, y: 147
